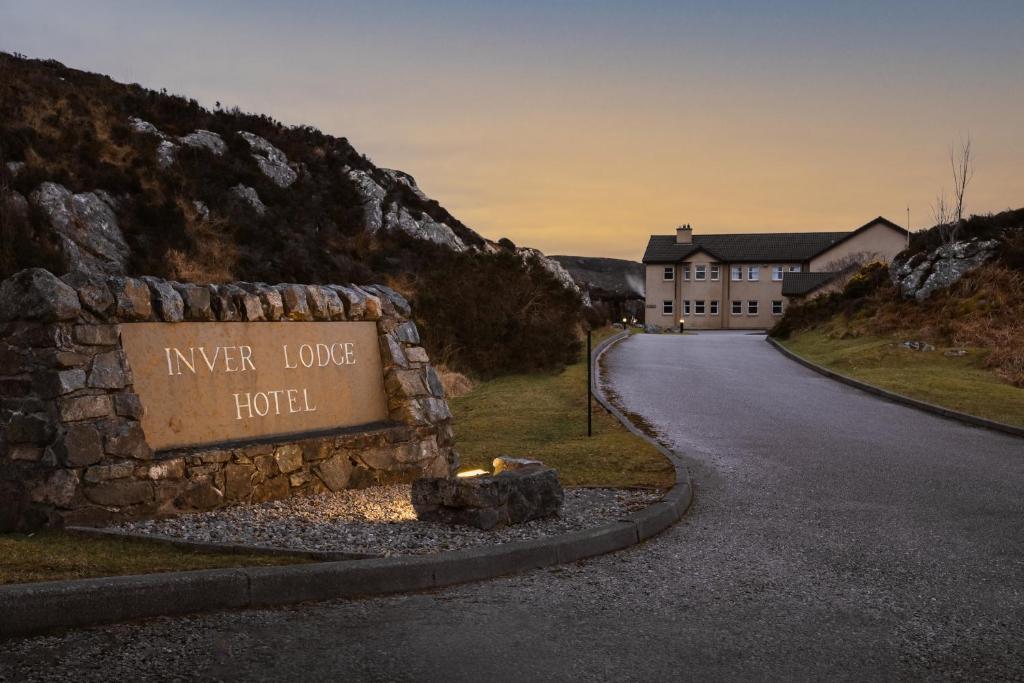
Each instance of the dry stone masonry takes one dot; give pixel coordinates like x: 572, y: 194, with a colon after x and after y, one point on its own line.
x: 73, y: 448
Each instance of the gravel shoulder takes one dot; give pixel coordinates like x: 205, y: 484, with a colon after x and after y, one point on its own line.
x: 379, y: 521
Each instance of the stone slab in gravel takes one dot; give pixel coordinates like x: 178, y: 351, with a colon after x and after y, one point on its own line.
x: 379, y: 521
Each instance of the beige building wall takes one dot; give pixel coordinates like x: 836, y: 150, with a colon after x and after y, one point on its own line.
x: 764, y: 291
x: 657, y: 290
x: 703, y: 294
x: 879, y: 240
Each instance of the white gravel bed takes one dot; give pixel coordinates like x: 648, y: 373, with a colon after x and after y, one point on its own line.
x: 379, y: 521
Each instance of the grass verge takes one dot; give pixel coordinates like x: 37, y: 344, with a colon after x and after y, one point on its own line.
x: 959, y: 383
x: 544, y: 416
x: 54, y: 555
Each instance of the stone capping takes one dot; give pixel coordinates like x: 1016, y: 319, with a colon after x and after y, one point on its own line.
x: 45, y: 607
x: 966, y: 418
x: 72, y: 447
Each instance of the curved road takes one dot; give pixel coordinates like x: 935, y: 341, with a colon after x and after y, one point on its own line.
x: 834, y: 536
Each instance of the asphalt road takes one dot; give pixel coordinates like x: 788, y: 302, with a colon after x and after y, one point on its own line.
x: 834, y: 536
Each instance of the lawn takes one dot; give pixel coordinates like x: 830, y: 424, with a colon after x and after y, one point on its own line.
x: 53, y: 555
x: 544, y: 416
x: 961, y: 383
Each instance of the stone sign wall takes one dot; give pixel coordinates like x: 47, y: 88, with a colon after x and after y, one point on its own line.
x: 126, y: 397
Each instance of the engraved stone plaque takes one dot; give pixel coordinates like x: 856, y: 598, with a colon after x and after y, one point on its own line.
x: 204, y: 383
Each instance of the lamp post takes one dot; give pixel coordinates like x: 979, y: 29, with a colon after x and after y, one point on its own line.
x: 590, y: 388
x: 682, y: 326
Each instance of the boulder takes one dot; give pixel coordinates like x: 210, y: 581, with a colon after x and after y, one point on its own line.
x: 271, y: 160
x: 487, y: 502
x: 205, y: 139
x: 250, y: 197
x: 37, y: 294
x: 86, y: 227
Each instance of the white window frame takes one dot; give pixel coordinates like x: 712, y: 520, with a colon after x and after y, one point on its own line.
x: 686, y: 307
x: 795, y: 269
x: 700, y: 271
x: 737, y: 273
x: 667, y: 307
x: 737, y: 307
x: 777, y: 272
x: 753, y: 273
x: 699, y: 307
x: 753, y: 307
x: 716, y: 272
x: 668, y: 274
x: 714, y: 307
x: 776, y: 307
x: 686, y: 272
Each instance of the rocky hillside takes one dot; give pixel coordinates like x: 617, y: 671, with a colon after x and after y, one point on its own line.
x: 103, y: 177
x: 966, y: 293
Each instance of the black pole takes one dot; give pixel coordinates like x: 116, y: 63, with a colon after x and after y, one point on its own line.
x: 590, y: 419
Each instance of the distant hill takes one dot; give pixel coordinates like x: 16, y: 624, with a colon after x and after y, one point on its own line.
x: 115, y: 178
x: 606, y: 277
x: 615, y: 286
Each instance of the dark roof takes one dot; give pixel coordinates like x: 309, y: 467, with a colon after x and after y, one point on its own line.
x: 765, y: 246
x: 799, y: 284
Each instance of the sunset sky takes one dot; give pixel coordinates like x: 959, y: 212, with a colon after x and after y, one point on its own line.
x: 582, y: 127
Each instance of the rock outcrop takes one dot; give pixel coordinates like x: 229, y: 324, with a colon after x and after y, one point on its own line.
x: 924, y: 273
x: 205, y: 139
x: 272, y: 161
x: 250, y: 197
x: 556, y: 269
x: 392, y: 216
x: 85, y: 226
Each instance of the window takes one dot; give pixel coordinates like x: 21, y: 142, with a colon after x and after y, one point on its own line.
x: 686, y: 271
x: 754, y: 273
x: 714, y: 271
x: 670, y: 274
x: 666, y: 307
x: 699, y: 307
x: 737, y: 273
x: 794, y: 269
x: 777, y: 273
x: 776, y: 308
x: 751, y: 308
x: 700, y: 272
x: 686, y: 307
x: 737, y: 307
x: 714, y: 308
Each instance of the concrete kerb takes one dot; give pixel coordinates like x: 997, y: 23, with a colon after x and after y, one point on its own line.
x: 972, y: 420
x: 217, y: 548
x: 34, y: 608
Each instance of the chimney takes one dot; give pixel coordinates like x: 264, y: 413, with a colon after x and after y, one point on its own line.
x: 684, y: 234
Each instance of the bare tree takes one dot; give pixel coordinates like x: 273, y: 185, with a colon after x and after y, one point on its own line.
x: 949, y: 212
